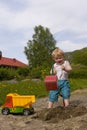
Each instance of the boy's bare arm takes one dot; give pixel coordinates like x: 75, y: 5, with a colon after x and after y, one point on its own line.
x: 67, y: 67
x: 53, y: 71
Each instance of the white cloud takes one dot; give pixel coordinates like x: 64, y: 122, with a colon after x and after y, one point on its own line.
x: 54, y: 14
x: 68, y: 46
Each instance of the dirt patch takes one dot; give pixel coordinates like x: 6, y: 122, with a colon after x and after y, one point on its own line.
x: 61, y: 113
x: 73, y: 117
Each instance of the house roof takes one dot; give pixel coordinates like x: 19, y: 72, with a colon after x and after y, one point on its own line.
x: 11, y: 62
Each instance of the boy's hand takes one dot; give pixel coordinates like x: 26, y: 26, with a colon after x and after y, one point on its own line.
x: 62, y: 67
x: 54, y: 71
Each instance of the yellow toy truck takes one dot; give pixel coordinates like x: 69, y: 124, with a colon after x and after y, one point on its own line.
x: 16, y: 103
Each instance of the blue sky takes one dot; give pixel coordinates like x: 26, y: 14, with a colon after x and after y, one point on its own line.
x: 66, y: 19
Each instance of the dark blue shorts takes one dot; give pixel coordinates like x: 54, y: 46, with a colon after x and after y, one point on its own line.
x: 63, y: 89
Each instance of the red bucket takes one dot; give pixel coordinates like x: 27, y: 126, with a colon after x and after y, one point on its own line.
x: 51, y: 82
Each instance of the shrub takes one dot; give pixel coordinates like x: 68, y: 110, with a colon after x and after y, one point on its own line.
x: 35, y: 73
x: 7, y: 73
x: 23, y: 71
x: 81, y: 73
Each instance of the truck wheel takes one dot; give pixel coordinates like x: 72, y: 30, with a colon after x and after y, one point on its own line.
x: 5, y: 111
x: 32, y: 110
x: 26, y: 112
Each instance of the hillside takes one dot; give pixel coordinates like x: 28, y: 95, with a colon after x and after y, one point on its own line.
x: 78, y: 56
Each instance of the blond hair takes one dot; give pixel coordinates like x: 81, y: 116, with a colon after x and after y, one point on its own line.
x: 57, y: 52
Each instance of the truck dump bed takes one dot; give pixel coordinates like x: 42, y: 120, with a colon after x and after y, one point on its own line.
x: 22, y: 100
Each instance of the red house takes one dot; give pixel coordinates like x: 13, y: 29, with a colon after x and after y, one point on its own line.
x: 10, y: 62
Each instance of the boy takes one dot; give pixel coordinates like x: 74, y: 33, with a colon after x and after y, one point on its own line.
x: 61, y: 69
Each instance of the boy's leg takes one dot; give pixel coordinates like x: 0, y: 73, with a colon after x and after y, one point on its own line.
x: 65, y: 93
x: 53, y: 97
x: 50, y: 104
x: 66, y: 102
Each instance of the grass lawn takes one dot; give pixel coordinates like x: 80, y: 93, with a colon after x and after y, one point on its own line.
x: 36, y: 88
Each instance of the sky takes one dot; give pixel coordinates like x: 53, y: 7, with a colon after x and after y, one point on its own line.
x: 66, y: 20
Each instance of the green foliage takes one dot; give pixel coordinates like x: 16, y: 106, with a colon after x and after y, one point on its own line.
x: 38, y: 50
x: 79, y: 71
x: 78, y: 56
x: 45, y: 70
x: 79, y: 74
x: 23, y: 71
x: 7, y: 73
x: 35, y: 73
x: 39, y: 72
x: 10, y: 73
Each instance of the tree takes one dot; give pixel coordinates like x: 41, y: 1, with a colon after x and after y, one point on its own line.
x: 39, y: 49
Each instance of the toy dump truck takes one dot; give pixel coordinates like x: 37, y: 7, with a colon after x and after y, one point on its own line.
x: 16, y: 103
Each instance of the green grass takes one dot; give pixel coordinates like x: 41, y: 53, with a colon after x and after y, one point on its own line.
x: 34, y: 88
x: 23, y: 88
x: 78, y: 84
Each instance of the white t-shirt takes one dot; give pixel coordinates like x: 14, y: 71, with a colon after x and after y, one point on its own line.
x: 61, y: 74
